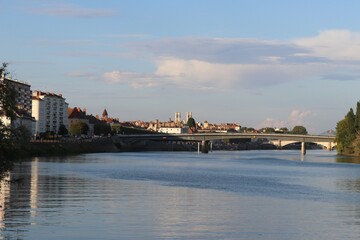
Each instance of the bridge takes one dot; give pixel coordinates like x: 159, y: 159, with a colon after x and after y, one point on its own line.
x: 279, y: 140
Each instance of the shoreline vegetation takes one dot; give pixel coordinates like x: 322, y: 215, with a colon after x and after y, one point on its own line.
x: 348, y: 133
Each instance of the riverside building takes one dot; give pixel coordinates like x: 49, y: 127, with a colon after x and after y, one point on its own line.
x: 49, y: 111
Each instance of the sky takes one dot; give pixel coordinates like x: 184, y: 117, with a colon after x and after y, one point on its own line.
x: 257, y: 63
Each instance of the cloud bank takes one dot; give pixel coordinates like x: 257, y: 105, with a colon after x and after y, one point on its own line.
x: 218, y: 63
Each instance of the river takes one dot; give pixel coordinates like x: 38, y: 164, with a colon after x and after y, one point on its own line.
x: 183, y: 195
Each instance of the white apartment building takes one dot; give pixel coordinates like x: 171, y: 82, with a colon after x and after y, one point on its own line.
x: 49, y: 111
x: 174, y: 130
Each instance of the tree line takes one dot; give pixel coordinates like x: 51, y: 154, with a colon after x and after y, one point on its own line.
x: 348, y: 133
x: 296, y: 130
x: 14, y: 141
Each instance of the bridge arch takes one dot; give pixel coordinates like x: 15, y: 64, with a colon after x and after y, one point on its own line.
x: 282, y: 143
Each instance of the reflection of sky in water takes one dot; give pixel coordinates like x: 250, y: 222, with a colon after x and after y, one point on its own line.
x: 221, y: 195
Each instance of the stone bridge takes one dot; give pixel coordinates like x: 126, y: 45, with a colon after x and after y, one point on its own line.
x: 277, y: 139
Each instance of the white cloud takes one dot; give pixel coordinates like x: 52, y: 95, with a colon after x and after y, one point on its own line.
x: 221, y: 64
x: 133, y: 79
x: 296, y: 118
x: 195, y: 73
x: 274, y: 123
x: 337, y: 45
x: 226, y: 51
x: 299, y: 117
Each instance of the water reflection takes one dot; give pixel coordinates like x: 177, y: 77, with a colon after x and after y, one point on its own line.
x: 15, y: 201
x: 350, y: 185
x: 267, y: 195
x: 345, y: 159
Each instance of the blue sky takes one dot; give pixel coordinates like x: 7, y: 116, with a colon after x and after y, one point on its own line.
x: 257, y: 63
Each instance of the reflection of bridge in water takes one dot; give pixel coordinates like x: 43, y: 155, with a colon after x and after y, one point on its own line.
x: 279, y: 140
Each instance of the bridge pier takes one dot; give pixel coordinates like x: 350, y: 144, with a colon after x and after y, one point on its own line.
x: 204, y: 147
x: 329, y: 148
x: 303, y: 148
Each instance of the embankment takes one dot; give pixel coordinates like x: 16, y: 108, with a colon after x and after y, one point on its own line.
x: 49, y: 148
x: 146, y: 145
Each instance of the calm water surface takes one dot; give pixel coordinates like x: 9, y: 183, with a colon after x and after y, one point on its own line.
x: 159, y: 195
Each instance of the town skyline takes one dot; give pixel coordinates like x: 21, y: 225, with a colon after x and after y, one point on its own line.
x: 255, y: 63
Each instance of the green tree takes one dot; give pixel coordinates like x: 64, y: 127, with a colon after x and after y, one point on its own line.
x: 21, y: 135
x: 8, y: 105
x: 9, y: 137
x: 247, y: 129
x: 4, y: 139
x: 346, y: 133
x: 14, y: 142
x: 79, y: 128
x: 350, y: 118
x: 116, y: 128
x: 357, y: 117
x: 299, y: 130
x: 63, y: 130
x: 342, y: 136
x: 102, y: 129
x: 191, y: 124
x: 284, y: 130
x: 268, y: 130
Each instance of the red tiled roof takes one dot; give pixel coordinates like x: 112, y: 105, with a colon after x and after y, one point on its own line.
x: 76, y: 113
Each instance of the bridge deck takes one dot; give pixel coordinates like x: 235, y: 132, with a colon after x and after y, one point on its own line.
x: 222, y: 136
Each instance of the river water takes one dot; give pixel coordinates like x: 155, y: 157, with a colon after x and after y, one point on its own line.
x: 168, y: 195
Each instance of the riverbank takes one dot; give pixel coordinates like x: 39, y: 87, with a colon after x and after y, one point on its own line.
x: 73, y: 146
x: 99, y: 145
x: 49, y: 148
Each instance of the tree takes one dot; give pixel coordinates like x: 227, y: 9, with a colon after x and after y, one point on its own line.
x: 268, y: 130
x: 346, y: 133
x: 192, y: 125
x: 4, y: 137
x: 9, y: 137
x: 350, y: 118
x: 63, y: 130
x: 357, y: 117
x: 299, y: 130
x: 8, y: 105
x: 116, y: 128
x: 284, y: 130
x: 21, y: 135
x: 102, y: 129
x: 342, y: 135
x: 79, y: 128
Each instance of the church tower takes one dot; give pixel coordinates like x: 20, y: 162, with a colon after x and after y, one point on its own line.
x: 105, y: 115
